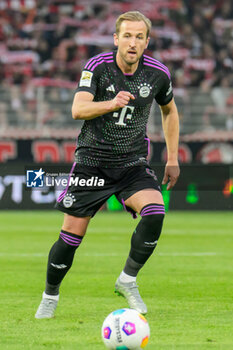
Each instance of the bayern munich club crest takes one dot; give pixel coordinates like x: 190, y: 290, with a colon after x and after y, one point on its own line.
x: 144, y: 90
x: 68, y: 200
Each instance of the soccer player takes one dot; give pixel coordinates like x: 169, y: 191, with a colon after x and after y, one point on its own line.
x: 113, y: 98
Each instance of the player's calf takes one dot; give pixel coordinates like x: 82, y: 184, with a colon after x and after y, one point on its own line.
x: 145, y: 237
x: 60, y: 261
x: 143, y: 243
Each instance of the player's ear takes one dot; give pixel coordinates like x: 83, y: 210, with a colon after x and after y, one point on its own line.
x: 115, y: 37
x: 147, y: 42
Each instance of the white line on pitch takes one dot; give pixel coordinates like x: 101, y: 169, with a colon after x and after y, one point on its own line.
x: 123, y: 231
x: 40, y: 255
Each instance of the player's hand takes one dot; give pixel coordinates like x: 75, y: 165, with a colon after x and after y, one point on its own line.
x: 171, y: 174
x: 121, y: 100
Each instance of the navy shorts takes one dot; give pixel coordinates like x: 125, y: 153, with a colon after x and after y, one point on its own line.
x: 95, y: 185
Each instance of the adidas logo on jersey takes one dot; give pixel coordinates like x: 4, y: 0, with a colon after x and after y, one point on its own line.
x: 111, y: 88
x: 169, y: 89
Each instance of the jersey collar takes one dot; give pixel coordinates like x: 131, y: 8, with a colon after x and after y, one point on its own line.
x: 128, y: 76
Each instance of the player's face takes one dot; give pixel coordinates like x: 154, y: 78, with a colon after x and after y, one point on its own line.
x: 131, y: 41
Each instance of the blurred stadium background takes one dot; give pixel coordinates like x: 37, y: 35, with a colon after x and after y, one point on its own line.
x: 45, y: 43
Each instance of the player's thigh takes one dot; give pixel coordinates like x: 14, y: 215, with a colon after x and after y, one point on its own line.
x: 144, y: 197
x: 76, y: 225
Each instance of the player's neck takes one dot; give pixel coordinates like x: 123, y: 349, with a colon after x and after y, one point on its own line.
x: 124, y: 67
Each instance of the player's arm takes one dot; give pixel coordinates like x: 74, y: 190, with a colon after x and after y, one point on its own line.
x: 170, y: 123
x: 85, y: 108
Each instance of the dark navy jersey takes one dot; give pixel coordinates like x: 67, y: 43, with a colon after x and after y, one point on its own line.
x: 118, y: 139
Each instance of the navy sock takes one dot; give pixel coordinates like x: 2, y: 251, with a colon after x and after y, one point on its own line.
x: 60, y: 260
x: 145, y: 237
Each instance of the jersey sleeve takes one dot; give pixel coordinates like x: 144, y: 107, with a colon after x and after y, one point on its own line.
x: 165, y: 94
x: 88, y: 81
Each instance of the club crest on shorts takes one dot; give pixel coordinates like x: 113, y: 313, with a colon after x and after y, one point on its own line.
x: 68, y: 200
x: 144, y: 90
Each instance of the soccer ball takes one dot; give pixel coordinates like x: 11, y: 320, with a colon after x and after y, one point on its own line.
x: 125, y: 329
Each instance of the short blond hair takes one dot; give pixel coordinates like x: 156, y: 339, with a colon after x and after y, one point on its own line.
x: 134, y: 16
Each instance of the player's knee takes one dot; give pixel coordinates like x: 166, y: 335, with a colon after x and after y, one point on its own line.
x: 151, y: 226
x: 152, y: 213
x: 76, y: 225
x: 152, y: 219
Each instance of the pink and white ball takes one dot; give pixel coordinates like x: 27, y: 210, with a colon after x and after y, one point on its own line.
x: 125, y: 329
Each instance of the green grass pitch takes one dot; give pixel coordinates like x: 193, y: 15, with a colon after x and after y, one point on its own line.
x: 187, y: 284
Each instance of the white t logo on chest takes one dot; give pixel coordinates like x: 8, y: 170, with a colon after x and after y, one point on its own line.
x: 123, y: 115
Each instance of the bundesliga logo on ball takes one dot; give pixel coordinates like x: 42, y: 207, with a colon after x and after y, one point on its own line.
x: 125, y: 329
